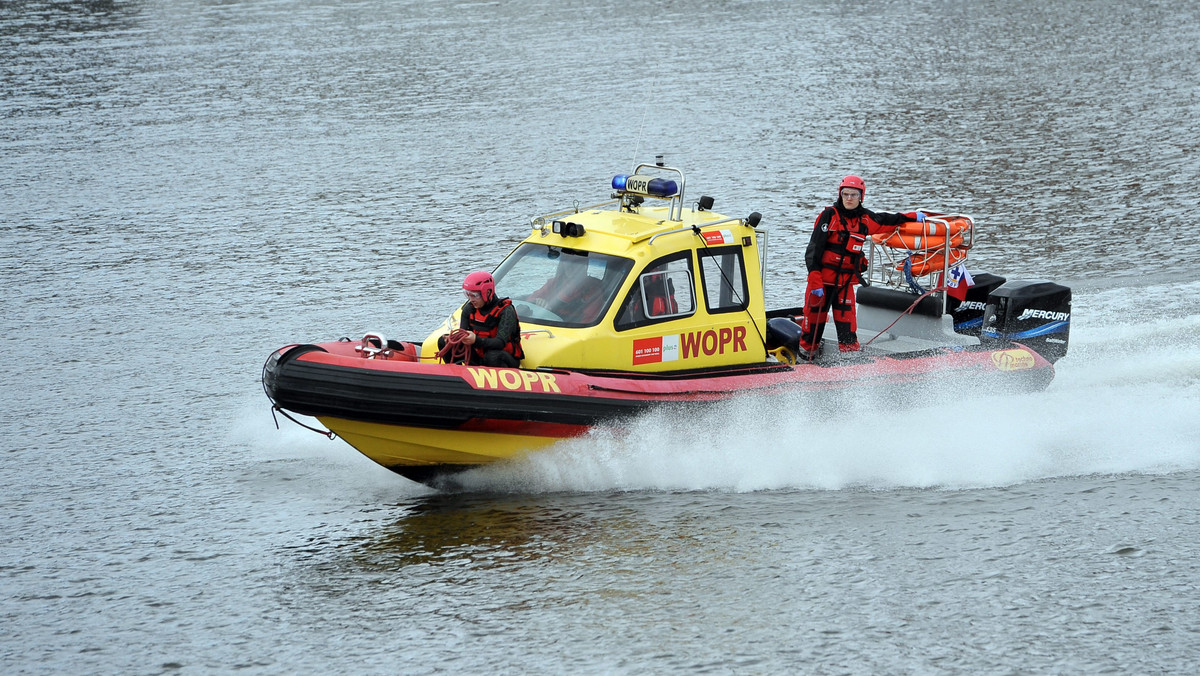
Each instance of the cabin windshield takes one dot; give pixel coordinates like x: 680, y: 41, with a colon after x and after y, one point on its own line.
x: 558, y: 286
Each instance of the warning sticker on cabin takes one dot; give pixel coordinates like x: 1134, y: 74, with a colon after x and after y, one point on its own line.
x: 718, y: 237
x: 656, y: 349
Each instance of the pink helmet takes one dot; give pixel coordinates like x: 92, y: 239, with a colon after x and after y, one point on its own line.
x: 481, y: 282
x: 853, y: 182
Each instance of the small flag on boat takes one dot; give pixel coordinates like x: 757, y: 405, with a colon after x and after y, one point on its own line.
x: 958, y: 280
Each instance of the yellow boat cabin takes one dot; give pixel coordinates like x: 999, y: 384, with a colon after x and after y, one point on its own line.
x: 632, y: 285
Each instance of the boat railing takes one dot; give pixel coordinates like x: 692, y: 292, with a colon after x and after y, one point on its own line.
x: 886, y: 265
x: 697, y: 227
x: 675, y: 213
x: 630, y: 199
x: 541, y: 222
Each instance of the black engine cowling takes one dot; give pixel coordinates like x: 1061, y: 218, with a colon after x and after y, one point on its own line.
x: 1035, y: 314
x: 968, y: 313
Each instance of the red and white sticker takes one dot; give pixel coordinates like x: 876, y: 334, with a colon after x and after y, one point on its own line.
x: 656, y: 349
x: 689, y: 345
x: 718, y: 237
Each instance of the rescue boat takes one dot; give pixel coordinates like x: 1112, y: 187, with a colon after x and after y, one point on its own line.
x: 657, y: 302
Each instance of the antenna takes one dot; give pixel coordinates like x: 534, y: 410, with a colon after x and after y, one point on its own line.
x: 637, y: 146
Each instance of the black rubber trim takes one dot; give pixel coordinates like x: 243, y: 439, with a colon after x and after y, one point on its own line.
x: 891, y: 299
x: 422, y: 400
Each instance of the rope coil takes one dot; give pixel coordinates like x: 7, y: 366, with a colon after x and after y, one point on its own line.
x: 455, y: 350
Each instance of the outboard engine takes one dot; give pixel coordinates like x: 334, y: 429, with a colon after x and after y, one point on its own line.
x: 1035, y: 314
x: 968, y: 314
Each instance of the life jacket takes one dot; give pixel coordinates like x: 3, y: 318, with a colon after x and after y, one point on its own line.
x: 485, y: 323
x: 844, y: 242
x: 662, y: 297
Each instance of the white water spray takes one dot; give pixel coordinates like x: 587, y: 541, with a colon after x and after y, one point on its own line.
x: 1125, y: 400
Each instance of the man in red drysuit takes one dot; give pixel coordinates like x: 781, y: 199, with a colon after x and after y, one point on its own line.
x: 835, y: 261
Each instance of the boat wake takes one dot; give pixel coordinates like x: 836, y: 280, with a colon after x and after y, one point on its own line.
x: 1124, y: 401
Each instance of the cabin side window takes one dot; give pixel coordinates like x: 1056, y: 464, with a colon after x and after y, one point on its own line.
x: 723, y: 275
x: 662, y: 293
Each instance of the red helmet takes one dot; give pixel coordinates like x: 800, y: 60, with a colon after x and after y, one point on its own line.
x: 481, y: 282
x: 853, y: 182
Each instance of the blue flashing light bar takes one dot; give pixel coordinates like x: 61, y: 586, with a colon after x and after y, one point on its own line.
x: 644, y: 185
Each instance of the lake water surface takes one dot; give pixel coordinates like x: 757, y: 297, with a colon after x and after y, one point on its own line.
x: 187, y: 185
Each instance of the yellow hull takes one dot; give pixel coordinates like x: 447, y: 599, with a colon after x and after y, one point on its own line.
x: 398, y: 446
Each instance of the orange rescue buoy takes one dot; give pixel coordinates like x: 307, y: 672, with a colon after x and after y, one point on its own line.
x: 923, y: 264
x: 936, y: 226
x: 900, y: 240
